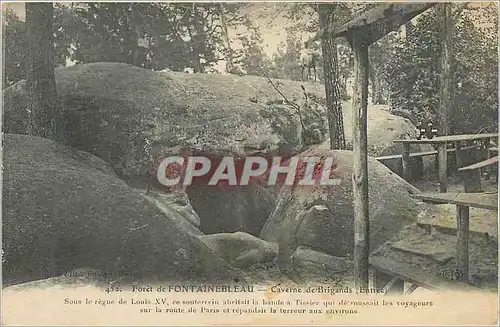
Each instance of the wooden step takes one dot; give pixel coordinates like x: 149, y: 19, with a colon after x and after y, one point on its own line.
x: 440, y: 251
x: 422, y: 278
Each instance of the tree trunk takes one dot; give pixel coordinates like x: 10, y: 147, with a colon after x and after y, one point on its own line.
x: 408, y: 29
x: 331, y: 78
x: 41, y: 84
x: 225, y: 35
x: 198, y: 40
x: 135, y: 25
x: 377, y: 97
x: 445, y: 80
x: 360, y: 167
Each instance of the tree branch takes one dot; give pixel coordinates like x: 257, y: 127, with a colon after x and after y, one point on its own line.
x: 208, y: 14
x: 464, y: 6
x: 296, y: 106
x: 277, y: 14
x: 214, y: 29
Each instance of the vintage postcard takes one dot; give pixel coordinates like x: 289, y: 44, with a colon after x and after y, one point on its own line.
x: 249, y: 163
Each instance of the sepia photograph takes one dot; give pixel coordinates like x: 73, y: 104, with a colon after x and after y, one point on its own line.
x: 249, y: 163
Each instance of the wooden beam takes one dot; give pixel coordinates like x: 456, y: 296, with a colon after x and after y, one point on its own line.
x: 360, y: 165
x: 375, y: 22
x: 451, y: 138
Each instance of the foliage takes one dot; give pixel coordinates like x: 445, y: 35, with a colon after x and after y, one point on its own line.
x: 412, y: 73
x: 379, y: 53
x: 172, y: 35
x: 303, y: 21
x: 15, y: 45
x: 287, y: 58
x: 251, y: 58
x: 155, y: 36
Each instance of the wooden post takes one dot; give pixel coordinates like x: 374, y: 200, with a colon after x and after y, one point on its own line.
x: 392, y: 285
x: 487, y: 145
x: 472, y: 181
x: 411, y: 289
x: 463, y: 242
x: 443, y: 167
x: 458, y: 155
x: 471, y: 178
x: 360, y: 166
x: 396, y: 286
x: 406, y: 162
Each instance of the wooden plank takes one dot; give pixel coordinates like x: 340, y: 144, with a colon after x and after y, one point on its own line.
x: 391, y: 157
x: 360, y: 166
x: 477, y: 200
x: 443, y: 167
x: 441, y: 253
x: 463, y: 242
x: 450, y: 138
x: 481, y: 164
x: 421, y: 278
x: 412, y: 155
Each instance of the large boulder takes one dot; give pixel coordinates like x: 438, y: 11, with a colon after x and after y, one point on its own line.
x: 240, y: 249
x: 64, y: 209
x: 322, y: 217
x: 383, y: 129
x: 128, y: 116
x: 309, y: 265
x: 122, y: 113
x: 176, y: 205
